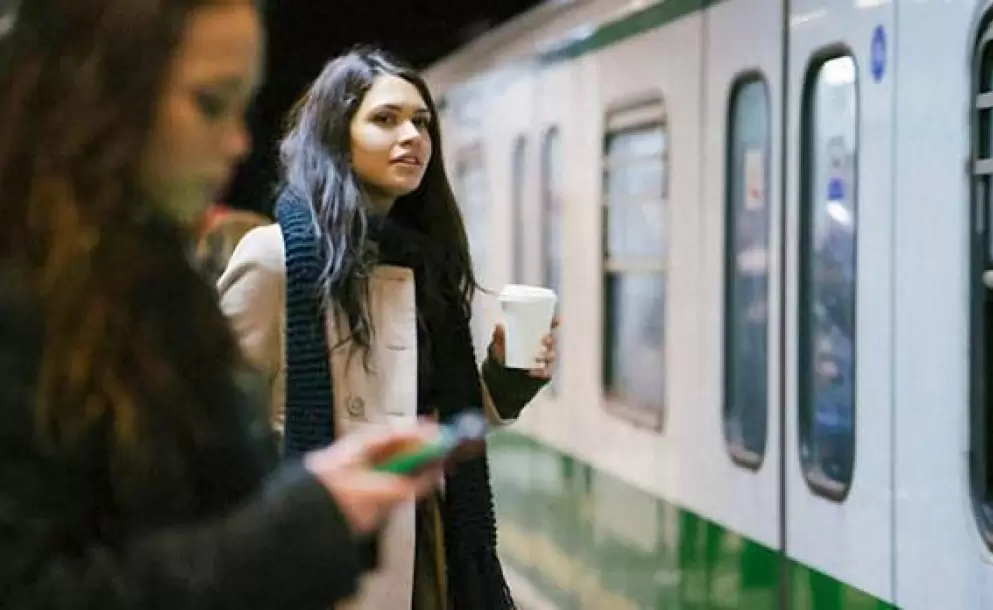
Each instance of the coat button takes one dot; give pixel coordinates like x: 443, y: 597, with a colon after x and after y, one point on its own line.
x: 355, y: 406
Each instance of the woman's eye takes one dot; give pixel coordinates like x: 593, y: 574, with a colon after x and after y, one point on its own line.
x: 211, y: 106
x: 422, y: 122
x: 387, y: 120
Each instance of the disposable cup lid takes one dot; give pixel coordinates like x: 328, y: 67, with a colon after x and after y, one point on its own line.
x: 521, y: 292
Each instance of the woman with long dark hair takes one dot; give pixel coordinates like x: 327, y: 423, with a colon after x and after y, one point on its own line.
x: 132, y: 474
x: 357, y: 303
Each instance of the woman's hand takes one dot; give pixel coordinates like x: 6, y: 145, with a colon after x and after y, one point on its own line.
x: 544, y: 361
x: 365, y: 496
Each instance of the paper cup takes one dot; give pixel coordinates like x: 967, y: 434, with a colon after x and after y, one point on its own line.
x: 527, y: 317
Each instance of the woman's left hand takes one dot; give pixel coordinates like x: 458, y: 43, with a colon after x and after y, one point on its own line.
x: 545, y: 360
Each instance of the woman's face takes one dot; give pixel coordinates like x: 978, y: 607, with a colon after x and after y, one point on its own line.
x: 391, y: 146
x: 199, y: 134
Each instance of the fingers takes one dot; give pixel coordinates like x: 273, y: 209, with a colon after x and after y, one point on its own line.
x: 366, y: 497
x: 372, y: 446
x: 546, y: 359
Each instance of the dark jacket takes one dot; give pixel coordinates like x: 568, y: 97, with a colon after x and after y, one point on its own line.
x: 223, y: 532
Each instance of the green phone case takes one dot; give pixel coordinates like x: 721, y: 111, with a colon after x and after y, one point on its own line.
x: 467, y: 426
x: 405, y: 463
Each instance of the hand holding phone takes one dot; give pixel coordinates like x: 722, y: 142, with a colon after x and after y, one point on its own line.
x: 463, y: 435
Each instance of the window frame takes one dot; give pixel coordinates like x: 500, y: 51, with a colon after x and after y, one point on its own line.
x: 740, y: 455
x: 822, y: 485
x: 639, y: 113
x: 980, y: 278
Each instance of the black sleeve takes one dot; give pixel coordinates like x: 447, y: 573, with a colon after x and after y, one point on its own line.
x: 288, y: 546
x: 511, y: 389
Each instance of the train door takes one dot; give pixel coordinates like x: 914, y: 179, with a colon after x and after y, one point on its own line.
x: 944, y: 519
x: 838, y: 391
x: 741, y: 259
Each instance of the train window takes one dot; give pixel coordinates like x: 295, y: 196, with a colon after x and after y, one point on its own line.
x: 472, y: 191
x: 746, y: 280
x: 827, y: 313
x: 981, y: 332
x: 551, y: 219
x: 551, y: 205
x: 517, y: 206
x: 635, y: 265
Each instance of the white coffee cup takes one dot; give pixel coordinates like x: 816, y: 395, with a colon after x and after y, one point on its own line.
x: 527, y: 318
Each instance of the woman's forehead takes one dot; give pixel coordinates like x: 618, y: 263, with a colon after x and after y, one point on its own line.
x: 222, y: 43
x: 393, y: 91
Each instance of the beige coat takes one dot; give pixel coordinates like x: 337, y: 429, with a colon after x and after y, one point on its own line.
x: 252, y: 291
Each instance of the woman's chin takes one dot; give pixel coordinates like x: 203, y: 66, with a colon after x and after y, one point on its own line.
x: 187, y: 211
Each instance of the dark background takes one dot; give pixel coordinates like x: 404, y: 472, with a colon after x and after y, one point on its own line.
x: 304, y: 34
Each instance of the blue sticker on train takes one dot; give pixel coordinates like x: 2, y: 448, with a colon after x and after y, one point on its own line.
x: 878, y: 53
x: 836, y: 189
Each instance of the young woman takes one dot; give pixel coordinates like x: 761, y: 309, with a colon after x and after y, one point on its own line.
x: 357, y: 304
x: 130, y: 474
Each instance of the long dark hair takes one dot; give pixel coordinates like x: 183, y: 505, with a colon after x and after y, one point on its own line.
x: 80, y: 86
x: 316, y: 160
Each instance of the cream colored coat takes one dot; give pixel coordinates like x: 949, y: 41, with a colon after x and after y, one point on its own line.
x: 252, y: 292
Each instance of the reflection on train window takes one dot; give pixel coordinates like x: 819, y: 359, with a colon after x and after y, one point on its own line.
x: 517, y: 206
x: 472, y: 192
x: 981, y: 332
x: 746, y: 341
x: 828, y: 277
x: 635, y: 265
x: 551, y: 219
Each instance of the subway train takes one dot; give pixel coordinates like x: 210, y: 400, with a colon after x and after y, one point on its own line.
x: 768, y: 223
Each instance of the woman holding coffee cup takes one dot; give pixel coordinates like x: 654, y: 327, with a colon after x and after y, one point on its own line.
x: 357, y: 303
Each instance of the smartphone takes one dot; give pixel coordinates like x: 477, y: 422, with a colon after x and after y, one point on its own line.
x: 462, y: 435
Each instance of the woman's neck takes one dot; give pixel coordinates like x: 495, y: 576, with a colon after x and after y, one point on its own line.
x: 379, y: 203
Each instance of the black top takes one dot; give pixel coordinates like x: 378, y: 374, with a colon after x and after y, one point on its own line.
x: 207, y: 524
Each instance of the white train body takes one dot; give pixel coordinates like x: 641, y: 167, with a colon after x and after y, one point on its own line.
x: 801, y: 181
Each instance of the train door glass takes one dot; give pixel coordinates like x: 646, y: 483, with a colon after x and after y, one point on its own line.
x: 551, y: 222
x: 746, y: 330
x: 551, y: 206
x: 517, y: 206
x: 827, y: 277
x: 635, y: 263
x: 981, y: 426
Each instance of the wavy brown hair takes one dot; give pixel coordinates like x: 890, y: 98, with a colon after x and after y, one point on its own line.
x: 121, y: 307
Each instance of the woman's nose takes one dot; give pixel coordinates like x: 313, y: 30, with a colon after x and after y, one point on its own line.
x: 409, y: 132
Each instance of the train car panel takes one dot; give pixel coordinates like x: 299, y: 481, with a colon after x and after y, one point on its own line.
x: 942, y: 560
x: 737, y: 422
x: 644, y: 216
x: 839, y: 289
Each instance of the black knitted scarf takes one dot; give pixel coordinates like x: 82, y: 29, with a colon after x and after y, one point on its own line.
x: 448, y: 380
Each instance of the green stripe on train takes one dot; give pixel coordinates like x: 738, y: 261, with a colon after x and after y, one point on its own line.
x: 586, y: 540
x: 643, y: 20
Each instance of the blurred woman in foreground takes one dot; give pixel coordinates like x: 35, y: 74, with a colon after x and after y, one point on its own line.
x: 132, y: 471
